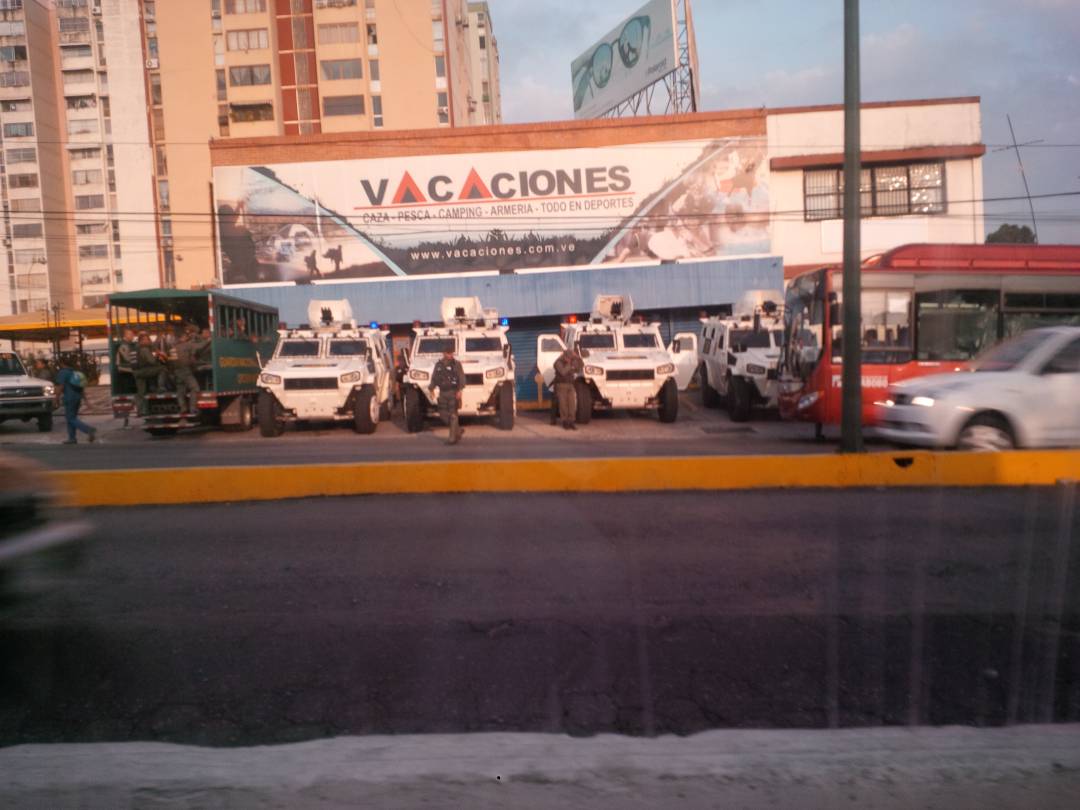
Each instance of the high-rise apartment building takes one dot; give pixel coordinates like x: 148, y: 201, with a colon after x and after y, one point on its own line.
x: 107, y: 109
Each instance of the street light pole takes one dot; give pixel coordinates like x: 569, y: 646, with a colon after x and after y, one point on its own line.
x: 851, y: 440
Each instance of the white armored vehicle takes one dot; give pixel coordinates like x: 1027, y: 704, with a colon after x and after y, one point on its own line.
x: 329, y: 369
x: 740, y: 353
x: 626, y: 363
x: 478, y: 337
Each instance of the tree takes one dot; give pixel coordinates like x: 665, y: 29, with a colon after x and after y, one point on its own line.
x: 1015, y: 234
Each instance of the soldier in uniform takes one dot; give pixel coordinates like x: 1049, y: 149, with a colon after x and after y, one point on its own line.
x: 449, y: 378
x: 568, y: 367
x: 126, y: 354
x: 148, y: 366
x: 187, y: 358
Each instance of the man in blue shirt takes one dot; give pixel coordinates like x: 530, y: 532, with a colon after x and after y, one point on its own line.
x: 70, y: 389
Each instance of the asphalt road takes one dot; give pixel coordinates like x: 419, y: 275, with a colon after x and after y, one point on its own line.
x: 636, y: 613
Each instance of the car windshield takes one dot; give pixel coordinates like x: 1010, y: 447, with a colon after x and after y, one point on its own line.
x: 435, y: 345
x: 602, y: 340
x: 10, y: 364
x: 639, y: 340
x: 299, y: 348
x: 348, y: 348
x: 1008, y: 355
x: 483, y: 344
x: 750, y: 338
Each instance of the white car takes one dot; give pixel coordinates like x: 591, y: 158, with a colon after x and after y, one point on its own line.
x: 1024, y: 392
x: 22, y: 396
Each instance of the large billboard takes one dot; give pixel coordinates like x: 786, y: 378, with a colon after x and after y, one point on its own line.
x: 637, y: 52
x: 460, y: 213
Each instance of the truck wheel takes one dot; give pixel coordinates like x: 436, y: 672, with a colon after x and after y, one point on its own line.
x: 710, y: 397
x: 44, y: 422
x: 269, y: 413
x: 246, y: 418
x: 414, y: 410
x: 366, y: 411
x: 669, y: 401
x: 584, y: 403
x: 506, y: 407
x: 739, y: 400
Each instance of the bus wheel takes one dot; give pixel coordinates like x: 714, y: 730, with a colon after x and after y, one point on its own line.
x: 366, y: 411
x: 739, y: 400
x: 270, y: 416
x: 986, y: 432
x: 44, y: 422
x: 414, y: 410
x: 505, y: 418
x: 584, y: 402
x: 669, y: 401
x: 710, y: 397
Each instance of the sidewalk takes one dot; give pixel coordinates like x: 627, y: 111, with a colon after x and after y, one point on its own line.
x: 953, y: 768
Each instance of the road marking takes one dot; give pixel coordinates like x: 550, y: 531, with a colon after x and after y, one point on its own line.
x: 276, y: 482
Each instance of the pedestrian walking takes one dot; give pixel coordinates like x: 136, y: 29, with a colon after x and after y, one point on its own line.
x: 188, y: 350
x: 568, y: 367
x: 70, y: 390
x: 449, y: 377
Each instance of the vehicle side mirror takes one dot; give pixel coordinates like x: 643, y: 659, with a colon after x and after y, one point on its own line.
x: 676, y: 346
x: 371, y: 366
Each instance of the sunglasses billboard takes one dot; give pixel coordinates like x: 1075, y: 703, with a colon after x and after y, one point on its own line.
x: 596, y: 69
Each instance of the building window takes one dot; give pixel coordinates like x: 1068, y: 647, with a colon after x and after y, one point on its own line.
x: 23, y: 180
x: 244, y: 6
x: 372, y: 34
x: 88, y: 228
x: 17, y: 105
x: 30, y: 257
x: 886, y: 190
x: 79, y: 77
x: 17, y: 53
x: 249, y: 40
x: 163, y: 194
x: 149, y: 10
x: 74, y: 25
x: 93, y: 251
x: 223, y: 120
x: 334, y: 69
x: 81, y: 102
x: 334, y: 3
x: 440, y: 66
x: 85, y: 177
x: 343, y: 105
x: 373, y: 69
x: 483, y: 43
x: 155, y: 87
x: 376, y: 111
x: 27, y: 155
x: 28, y: 230
x: 335, y: 33
x: 263, y: 111
x: 160, y: 160
x: 438, y: 35
x: 86, y: 154
x: 246, y: 75
x: 83, y: 126
x: 219, y: 50
x: 13, y: 28
x: 25, y: 205
x: 86, y: 201
x: 22, y: 129
x: 157, y: 117
x: 15, y: 78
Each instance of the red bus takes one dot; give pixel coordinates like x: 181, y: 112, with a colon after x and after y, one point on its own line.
x: 925, y: 309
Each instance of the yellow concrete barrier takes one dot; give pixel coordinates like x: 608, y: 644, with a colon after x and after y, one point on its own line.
x: 898, y: 469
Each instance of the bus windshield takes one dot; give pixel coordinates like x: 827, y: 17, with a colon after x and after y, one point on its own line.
x: 299, y: 348
x: 436, y: 345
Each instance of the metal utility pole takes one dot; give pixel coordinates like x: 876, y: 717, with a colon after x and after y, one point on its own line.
x: 851, y: 440
x: 1023, y: 175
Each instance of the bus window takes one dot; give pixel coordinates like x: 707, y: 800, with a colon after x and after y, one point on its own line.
x: 1025, y: 311
x: 955, y: 324
x: 885, y: 330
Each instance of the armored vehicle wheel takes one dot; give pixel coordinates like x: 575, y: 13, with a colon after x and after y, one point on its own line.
x: 739, y: 400
x: 270, y: 416
x: 584, y: 403
x: 366, y: 411
x: 710, y: 397
x: 669, y: 401
x: 414, y: 410
x: 505, y: 417
x: 44, y: 422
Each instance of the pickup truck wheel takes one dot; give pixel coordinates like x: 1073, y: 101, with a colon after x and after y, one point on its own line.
x: 414, y: 410
x: 505, y: 418
x: 44, y: 423
x: 584, y: 403
x: 271, y: 423
x: 669, y: 401
x: 710, y: 397
x: 739, y: 400
x: 366, y: 411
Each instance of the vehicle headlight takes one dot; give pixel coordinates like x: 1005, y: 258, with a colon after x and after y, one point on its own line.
x: 270, y: 379
x: 807, y: 400
x: 495, y: 373
x: 351, y: 377
x: 49, y: 390
x: 923, y: 402
x: 417, y: 374
x: 754, y: 369
x: 667, y: 368
x: 594, y: 371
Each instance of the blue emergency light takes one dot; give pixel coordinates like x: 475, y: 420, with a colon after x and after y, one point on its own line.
x: 374, y: 324
x: 504, y: 321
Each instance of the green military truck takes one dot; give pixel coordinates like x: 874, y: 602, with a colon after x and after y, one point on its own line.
x: 240, y: 333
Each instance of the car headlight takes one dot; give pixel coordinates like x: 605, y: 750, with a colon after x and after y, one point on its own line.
x: 807, y: 400
x: 753, y: 369
x: 49, y: 390
x: 417, y: 374
x: 270, y: 379
x: 667, y: 368
x: 351, y: 377
x: 594, y: 371
x: 495, y: 373
x: 923, y: 402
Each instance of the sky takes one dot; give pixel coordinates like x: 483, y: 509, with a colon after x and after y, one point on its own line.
x: 1022, y: 57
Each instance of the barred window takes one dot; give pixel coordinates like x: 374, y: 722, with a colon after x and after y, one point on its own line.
x: 84, y: 202
x: 246, y: 75
x: 886, y: 190
x: 22, y: 129
x: 333, y: 69
x: 23, y: 180
x: 93, y: 251
x: 27, y: 155
x: 334, y: 33
x: 248, y: 40
x: 85, y: 177
x: 29, y: 230
x: 343, y: 105
x: 15, y: 78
